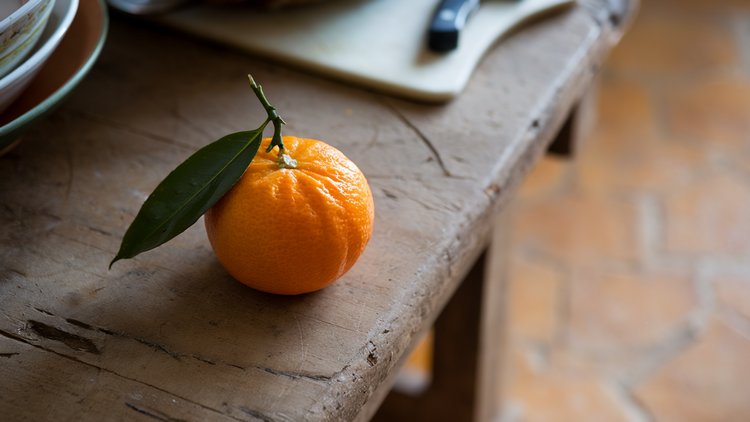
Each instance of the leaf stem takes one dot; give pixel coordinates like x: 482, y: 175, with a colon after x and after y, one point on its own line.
x: 284, y: 161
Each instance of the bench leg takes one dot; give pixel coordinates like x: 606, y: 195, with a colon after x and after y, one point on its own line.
x: 468, y: 335
x: 577, y: 126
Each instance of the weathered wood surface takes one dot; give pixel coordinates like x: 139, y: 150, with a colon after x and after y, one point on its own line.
x: 169, y: 335
x: 468, y: 336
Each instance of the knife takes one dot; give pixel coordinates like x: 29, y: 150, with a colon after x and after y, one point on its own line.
x: 448, y: 20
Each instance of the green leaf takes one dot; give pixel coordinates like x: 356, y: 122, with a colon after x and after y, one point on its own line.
x: 189, y: 191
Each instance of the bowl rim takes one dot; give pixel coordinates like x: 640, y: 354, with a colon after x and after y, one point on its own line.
x: 45, y: 49
x: 35, y: 34
x: 48, y: 103
x: 18, y: 14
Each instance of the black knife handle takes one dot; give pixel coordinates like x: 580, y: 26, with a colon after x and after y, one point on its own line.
x: 448, y: 20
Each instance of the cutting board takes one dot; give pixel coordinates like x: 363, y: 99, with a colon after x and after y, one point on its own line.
x: 380, y: 44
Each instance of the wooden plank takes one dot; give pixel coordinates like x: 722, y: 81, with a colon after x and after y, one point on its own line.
x: 465, y: 382
x: 454, y: 387
x: 493, y: 324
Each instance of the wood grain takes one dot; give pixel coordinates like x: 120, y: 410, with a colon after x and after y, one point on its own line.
x: 170, y: 326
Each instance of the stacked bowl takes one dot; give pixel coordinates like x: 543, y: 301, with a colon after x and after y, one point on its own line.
x: 39, y: 38
x: 20, y: 29
x: 19, y: 34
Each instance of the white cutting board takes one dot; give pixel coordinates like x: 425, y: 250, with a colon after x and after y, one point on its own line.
x: 380, y: 44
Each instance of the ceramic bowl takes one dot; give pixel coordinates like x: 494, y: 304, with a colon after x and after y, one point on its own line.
x: 22, y: 24
x: 12, y: 84
x: 62, y: 72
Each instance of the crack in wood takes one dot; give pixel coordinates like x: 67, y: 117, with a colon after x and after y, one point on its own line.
x: 151, y: 344
x: 12, y: 336
x: 423, y: 138
x: 8, y: 355
x: 175, y: 112
x: 78, y: 323
x: 100, y: 231
x: 74, y: 341
x: 88, y: 245
x: 140, y: 132
x: 19, y: 211
x: 158, y: 347
x: 296, y: 375
x: 389, y: 194
x: 17, y: 272
x: 256, y: 414
x: 154, y: 414
x: 439, y: 207
x: 83, y: 344
x: 109, y: 371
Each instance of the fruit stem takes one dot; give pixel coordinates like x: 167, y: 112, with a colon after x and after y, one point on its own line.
x: 284, y: 161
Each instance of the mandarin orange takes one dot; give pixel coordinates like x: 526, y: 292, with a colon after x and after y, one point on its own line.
x: 293, y: 230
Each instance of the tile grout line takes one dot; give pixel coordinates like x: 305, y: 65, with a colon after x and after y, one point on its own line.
x: 650, y: 230
x: 704, y: 294
x: 563, y: 308
x: 740, y: 26
x: 672, y: 345
x: 633, y: 409
x: 735, y: 321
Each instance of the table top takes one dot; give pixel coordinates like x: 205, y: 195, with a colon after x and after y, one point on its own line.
x: 169, y: 335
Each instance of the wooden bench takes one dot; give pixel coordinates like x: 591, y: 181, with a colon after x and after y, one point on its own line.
x: 170, y: 336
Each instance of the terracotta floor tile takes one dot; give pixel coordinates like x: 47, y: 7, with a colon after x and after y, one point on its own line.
x: 626, y: 107
x: 712, y: 110
x: 616, y: 162
x: 613, y: 314
x: 667, y: 169
x: 627, y: 152
x: 534, y: 301
x: 711, y: 216
x: 712, y: 8
x: 579, y: 228
x: 557, y: 394
x: 660, y: 45
x: 707, y: 382
x: 549, y: 176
